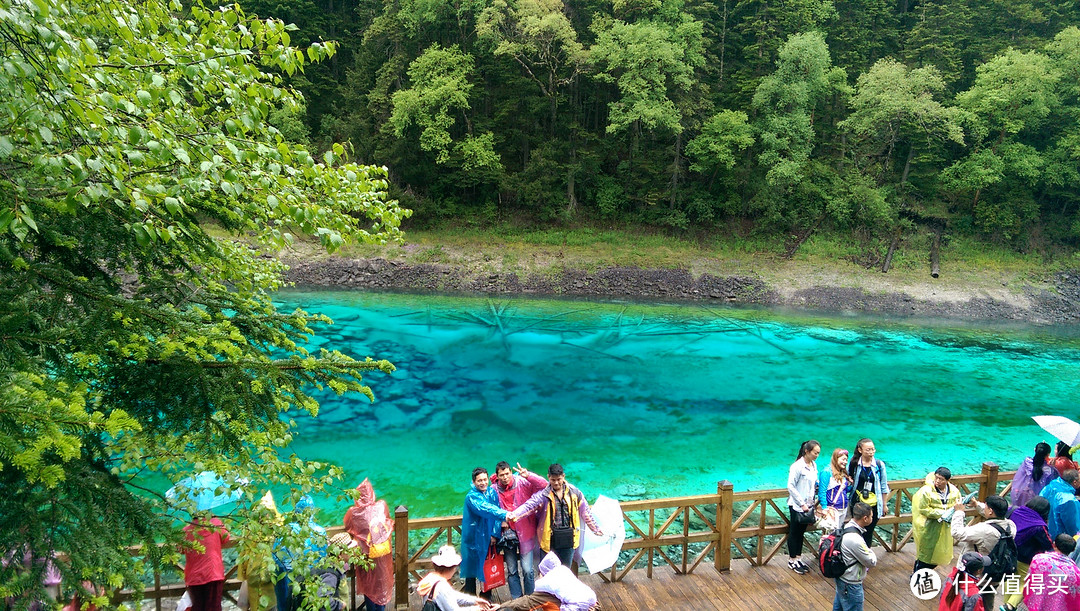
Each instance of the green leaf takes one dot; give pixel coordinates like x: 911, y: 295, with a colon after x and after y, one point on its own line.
x: 28, y: 218
x: 142, y: 238
x: 6, y: 147
x: 19, y: 229
x: 172, y: 205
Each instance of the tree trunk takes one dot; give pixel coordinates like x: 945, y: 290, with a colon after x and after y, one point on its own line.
x: 843, y: 153
x: 675, y: 171
x: 571, y: 196
x: 907, y: 168
x: 794, y: 248
x: 892, y: 249
x: 935, y: 254
x: 554, y: 105
x: 723, y: 44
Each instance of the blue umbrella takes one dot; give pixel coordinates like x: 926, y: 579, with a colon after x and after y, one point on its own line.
x: 207, y: 490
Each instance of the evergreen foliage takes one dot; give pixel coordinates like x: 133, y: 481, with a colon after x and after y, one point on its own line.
x: 571, y: 110
x: 135, y: 348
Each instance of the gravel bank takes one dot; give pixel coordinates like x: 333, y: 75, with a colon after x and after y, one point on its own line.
x: 1058, y: 304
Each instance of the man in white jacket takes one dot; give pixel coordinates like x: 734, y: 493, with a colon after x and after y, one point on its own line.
x: 982, y: 537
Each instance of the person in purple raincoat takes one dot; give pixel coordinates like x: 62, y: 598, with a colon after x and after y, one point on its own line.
x: 560, y: 509
x: 1032, y: 476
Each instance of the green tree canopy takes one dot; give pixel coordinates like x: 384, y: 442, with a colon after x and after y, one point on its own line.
x: 439, y: 94
x: 896, y: 120
x: 135, y: 347
x: 722, y: 136
x: 1013, y: 94
x: 651, y: 61
x: 786, y: 102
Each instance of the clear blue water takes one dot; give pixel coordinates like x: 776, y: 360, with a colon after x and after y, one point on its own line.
x: 644, y: 400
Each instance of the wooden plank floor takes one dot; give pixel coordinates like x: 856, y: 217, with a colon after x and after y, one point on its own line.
x: 767, y: 588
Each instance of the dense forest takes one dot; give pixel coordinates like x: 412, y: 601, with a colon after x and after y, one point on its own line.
x: 877, y: 118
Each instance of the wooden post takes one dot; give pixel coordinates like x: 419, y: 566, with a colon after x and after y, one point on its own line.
x: 898, y: 502
x: 652, y: 536
x: 988, y: 487
x: 401, y: 557
x: 762, y: 505
x: 722, y: 554
x: 686, y: 537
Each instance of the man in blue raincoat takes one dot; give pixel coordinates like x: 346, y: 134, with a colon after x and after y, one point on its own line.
x: 1064, y: 508
x: 314, y: 547
x: 481, y: 522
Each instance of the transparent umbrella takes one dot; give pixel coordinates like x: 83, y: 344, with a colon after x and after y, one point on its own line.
x: 1060, y: 427
x: 207, y: 490
x: 600, y: 553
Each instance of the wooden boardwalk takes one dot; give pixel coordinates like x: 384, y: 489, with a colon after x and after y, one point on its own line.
x: 764, y: 588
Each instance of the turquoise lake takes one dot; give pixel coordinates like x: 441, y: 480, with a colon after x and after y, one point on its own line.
x: 645, y: 400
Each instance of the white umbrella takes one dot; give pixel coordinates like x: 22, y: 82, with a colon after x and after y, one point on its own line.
x: 600, y: 553
x: 1061, y: 427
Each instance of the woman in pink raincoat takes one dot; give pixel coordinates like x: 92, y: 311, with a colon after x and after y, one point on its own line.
x: 1053, y: 580
x: 369, y: 523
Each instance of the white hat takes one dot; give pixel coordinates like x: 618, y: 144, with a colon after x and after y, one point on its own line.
x: 344, y: 541
x: 447, y: 557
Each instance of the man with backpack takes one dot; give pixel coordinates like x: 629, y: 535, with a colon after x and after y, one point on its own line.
x: 993, y: 537
x: 848, y: 567
x: 560, y: 509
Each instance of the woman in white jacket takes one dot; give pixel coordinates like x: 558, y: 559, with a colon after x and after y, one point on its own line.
x: 802, y: 496
x: 435, y: 586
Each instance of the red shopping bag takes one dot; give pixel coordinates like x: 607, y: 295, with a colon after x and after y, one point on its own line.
x: 494, y: 570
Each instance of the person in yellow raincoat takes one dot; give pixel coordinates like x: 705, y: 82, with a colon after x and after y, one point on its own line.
x: 933, y: 538
x: 256, y: 569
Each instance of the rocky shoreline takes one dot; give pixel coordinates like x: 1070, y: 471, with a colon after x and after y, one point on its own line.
x: 1059, y: 303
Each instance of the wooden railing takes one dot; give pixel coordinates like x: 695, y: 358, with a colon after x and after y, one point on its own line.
x: 681, y: 532
x: 760, y: 530
x: 664, y: 530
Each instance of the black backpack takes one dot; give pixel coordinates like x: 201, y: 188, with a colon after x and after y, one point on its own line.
x: 429, y: 601
x: 1002, y: 557
x: 831, y: 553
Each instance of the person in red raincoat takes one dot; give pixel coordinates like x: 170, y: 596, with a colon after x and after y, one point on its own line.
x: 369, y: 523
x: 960, y: 591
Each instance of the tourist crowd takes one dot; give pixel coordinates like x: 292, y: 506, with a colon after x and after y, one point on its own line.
x: 526, y: 531
x: 1025, y: 550
x: 518, y: 517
